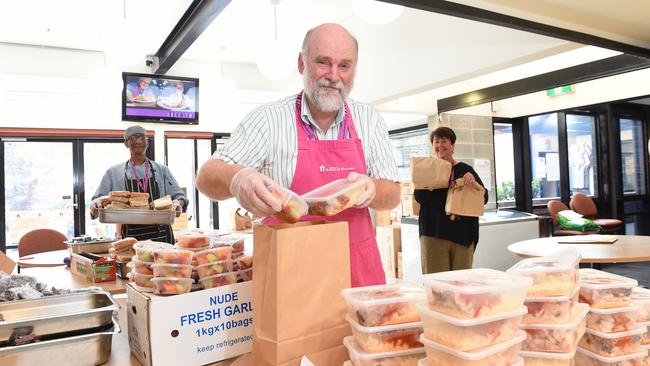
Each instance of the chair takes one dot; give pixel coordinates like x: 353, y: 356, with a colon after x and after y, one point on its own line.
x: 554, y: 207
x: 40, y: 240
x: 584, y: 205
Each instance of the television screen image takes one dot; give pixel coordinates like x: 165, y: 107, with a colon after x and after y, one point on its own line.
x: 160, y: 98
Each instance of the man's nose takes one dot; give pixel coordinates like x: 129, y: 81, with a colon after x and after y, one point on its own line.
x: 333, y: 74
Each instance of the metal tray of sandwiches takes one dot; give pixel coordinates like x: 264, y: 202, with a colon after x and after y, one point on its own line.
x: 87, y: 244
x: 136, y: 216
x: 48, y: 316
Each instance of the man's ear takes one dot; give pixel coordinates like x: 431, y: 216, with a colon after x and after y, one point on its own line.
x: 301, y: 63
x: 126, y: 143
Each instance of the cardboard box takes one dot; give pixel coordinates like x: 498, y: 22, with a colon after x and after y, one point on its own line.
x: 410, y: 207
x: 389, y: 241
x: 382, y: 218
x: 6, y: 264
x: 92, y: 267
x: 407, y: 187
x: 400, y: 266
x: 197, y: 328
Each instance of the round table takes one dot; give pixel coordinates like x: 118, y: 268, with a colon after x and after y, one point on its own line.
x: 44, y: 259
x: 628, y: 248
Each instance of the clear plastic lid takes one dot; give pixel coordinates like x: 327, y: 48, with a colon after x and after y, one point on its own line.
x: 228, y: 239
x: 546, y: 264
x: 293, y: 206
x: 580, y: 313
x: 151, y: 245
x: 423, y: 362
x: 173, y: 265
x: 613, y: 360
x: 383, y: 294
x: 477, y: 280
x: 614, y: 310
x: 553, y: 298
x: 333, y: 189
x: 640, y: 295
x: 548, y: 355
x: 639, y: 329
x: 357, y: 354
x: 183, y: 280
x: 382, y: 328
x: 595, y: 279
x: 477, y: 354
x: 425, y: 311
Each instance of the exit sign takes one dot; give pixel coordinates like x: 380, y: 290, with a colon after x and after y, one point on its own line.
x: 561, y: 90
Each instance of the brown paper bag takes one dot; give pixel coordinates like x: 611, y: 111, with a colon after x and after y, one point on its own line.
x: 430, y: 173
x: 300, y: 270
x: 242, y: 221
x: 465, y: 200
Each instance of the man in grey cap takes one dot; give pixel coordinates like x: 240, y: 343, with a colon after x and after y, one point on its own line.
x: 140, y: 174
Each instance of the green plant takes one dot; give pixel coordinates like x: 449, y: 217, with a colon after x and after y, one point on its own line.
x: 506, y: 192
x: 535, y: 185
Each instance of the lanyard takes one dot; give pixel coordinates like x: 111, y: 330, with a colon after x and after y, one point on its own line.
x: 144, y: 185
x: 343, y: 130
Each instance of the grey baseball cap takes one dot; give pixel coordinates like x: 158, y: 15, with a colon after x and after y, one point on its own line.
x: 134, y: 130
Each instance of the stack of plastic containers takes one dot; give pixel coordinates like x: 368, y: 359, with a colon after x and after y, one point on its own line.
x: 555, y: 321
x: 194, y: 242
x: 172, y: 269
x: 385, y: 324
x: 613, y: 336
x: 142, y: 264
x: 472, y: 317
x: 242, y: 264
x: 214, y: 267
x: 641, y: 299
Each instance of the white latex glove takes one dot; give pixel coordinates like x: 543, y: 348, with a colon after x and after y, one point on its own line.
x: 368, y: 195
x: 250, y: 188
x: 178, y: 207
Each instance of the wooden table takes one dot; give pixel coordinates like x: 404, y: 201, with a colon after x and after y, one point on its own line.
x: 628, y: 248
x: 44, y: 259
x: 61, y: 277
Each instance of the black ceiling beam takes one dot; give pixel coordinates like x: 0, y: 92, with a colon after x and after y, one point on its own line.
x: 485, y: 16
x: 570, y: 75
x: 194, y: 21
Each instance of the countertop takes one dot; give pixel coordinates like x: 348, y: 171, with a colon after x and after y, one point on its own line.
x: 488, y: 218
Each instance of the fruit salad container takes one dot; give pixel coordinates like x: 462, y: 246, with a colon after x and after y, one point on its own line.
x: 603, y: 290
x: 560, y: 338
x: 500, y: 354
x: 641, y: 298
x: 293, y: 206
x: 646, y: 360
x: 424, y: 362
x: 552, y: 309
x: 211, y: 269
x: 552, y: 276
x: 173, y: 256
x: 194, y: 241
x: 475, y: 293
x: 245, y: 275
x: 171, y: 285
x: 334, y: 197
x: 144, y: 249
x: 470, y: 334
x: 358, y: 357
x: 547, y: 358
x: 586, y: 358
x: 373, y: 306
x: 613, y: 344
x: 237, y: 243
x: 244, y: 262
x: 172, y: 270
x: 237, y: 255
x: 142, y: 282
x: 213, y: 255
x: 387, y: 338
x: 141, y: 266
x: 222, y: 279
x: 612, y: 320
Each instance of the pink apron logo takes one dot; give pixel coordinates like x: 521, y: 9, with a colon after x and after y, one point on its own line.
x: 324, y: 168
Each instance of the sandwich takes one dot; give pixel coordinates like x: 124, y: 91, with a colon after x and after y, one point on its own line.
x: 124, y: 244
x: 117, y: 204
x: 163, y: 203
x: 126, y: 194
x: 139, y: 200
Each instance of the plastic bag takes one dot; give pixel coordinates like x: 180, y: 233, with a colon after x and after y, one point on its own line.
x: 571, y: 220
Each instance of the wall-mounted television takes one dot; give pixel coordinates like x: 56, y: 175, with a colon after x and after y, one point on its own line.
x: 160, y: 98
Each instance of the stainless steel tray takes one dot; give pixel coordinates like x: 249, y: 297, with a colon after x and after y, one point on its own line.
x: 80, y: 350
x: 98, y: 246
x: 55, y: 314
x: 133, y: 216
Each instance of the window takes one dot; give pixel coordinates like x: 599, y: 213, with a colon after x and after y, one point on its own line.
x: 504, y: 164
x: 545, y: 157
x: 407, y: 144
x: 583, y: 161
x: 632, y: 154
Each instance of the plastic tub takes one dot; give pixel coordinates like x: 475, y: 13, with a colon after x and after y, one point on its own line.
x: 334, y: 197
x: 173, y: 256
x: 387, y: 338
x: 424, y: 362
x: 550, y: 310
x: 552, y: 276
x: 142, y: 280
x: 475, y: 293
x: 244, y: 262
x: 560, y: 338
x: 171, y: 285
x: 237, y: 243
x: 193, y: 241
x: 646, y: 360
x: 219, y: 280
x: 141, y: 266
x: 245, y: 275
x: 646, y: 339
x: 397, y: 358
x: 547, y: 358
x: 613, y: 344
x: 213, y: 255
x: 144, y: 249
x: 373, y: 306
x: 603, y: 290
x: 172, y: 270
x: 641, y: 298
x: 470, y: 334
x: 500, y: 354
x: 211, y: 269
x: 293, y: 206
x: 612, y: 320
x: 586, y: 358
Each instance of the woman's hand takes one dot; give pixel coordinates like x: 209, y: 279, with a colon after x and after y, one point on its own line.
x: 468, y: 179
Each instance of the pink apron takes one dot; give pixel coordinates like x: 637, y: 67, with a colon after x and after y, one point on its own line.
x: 322, y: 161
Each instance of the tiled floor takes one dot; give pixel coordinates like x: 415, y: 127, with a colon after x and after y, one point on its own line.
x: 639, y: 271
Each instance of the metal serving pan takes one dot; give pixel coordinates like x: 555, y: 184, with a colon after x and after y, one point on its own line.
x: 80, y: 350
x: 135, y: 216
x: 93, y: 246
x: 55, y: 314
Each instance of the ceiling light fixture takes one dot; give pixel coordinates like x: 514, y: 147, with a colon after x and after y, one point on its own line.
x: 376, y: 12
x: 275, y: 59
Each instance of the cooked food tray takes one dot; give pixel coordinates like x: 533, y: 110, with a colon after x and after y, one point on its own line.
x: 135, y: 216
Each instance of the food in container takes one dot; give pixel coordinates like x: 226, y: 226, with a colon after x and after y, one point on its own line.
x: 141, y: 266
x: 210, y: 269
x: 244, y: 262
x: 237, y: 255
x: 556, y: 337
x: 373, y: 306
x: 173, y: 256
x: 552, y: 276
x: 500, y: 354
x: 424, y: 362
x: 245, y: 275
x: 470, y: 334
x: 613, y: 344
x: 144, y: 249
x: 171, y: 285
x: 387, y: 338
x: 213, y: 255
x: 646, y: 360
x: 222, y: 279
x: 141, y: 281
x: 172, y: 270
x: 587, y: 358
x: 646, y: 339
x: 552, y: 309
x: 603, y: 290
x: 612, y: 320
x: 474, y: 293
x: 547, y: 358
x: 293, y: 206
x: 193, y: 241
x: 237, y: 243
x: 641, y: 298
x: 334, y: 197
x: 408, y: 357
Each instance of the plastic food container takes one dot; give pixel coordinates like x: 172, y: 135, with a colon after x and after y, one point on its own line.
x: 612, y: 320
x: 244, y: 262
x: 552, y: 276
x: 334, y: 197
x: 245, y: 275
x: 387, y: 338
x: 547, y: 358
x: 213, y: 255
x: 171, y: 285
x: 173, y: 256
x: 475, y: 293
x: 142, y: 267
x: 237, y: 243
x: 211, y: 269
x: 470, y: 334
x: 397, y: 358
x: 500, y: 354
x: 193, y: 241
x: 550, y: 310
x: 646, y: 360
x: 556, y: 337
x: 603, y: 290
x: 172, y: 270
x: 613, y: 344
x: 293, y: 206
x: 373, y: 306
x: 144, y: 249
x: 586, y: 358
x: 641, y: 298
x: 424, y: 362
x: 219, y: 280
x: 142, y: 281
x: 646, y: 339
